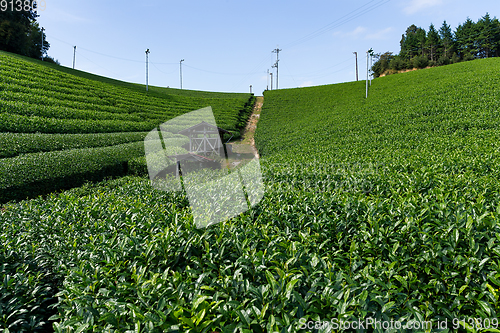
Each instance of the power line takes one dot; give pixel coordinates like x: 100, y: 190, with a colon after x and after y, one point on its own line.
x: 97, y: 64
x: 337, y: 23
x: 159, y: 70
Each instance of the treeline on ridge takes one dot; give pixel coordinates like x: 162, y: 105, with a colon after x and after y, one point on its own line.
x: 20, y: 33
x: 419, y: 48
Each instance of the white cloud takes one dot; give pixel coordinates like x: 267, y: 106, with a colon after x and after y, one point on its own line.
x: 381, y: 34
x: 306, y: 84
x: 355, y: 33
x: 415, y: 6
x: 365, y: 33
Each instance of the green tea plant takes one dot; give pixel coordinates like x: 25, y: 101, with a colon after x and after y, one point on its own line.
x: 13, y: 144
x: 384, y: 208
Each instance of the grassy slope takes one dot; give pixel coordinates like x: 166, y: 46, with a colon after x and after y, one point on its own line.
x: 38, y: 97
x: 383, y: 208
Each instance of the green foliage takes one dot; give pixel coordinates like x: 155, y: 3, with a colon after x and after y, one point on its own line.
x: 420, y: 62
x: 406, y: 184
x: 30, y: 175
x: 20, y: 33
x: 13, y: 144
x: 26, y: 293
x: 471, y: 40
x: 40, y: 97
x: 43, y: 108
x: 384, y: 208
x: 433, y: 43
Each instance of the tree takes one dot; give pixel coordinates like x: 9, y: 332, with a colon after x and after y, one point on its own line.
x: 496, y: 37
x: 486, y: 42
x: 447, y: 40
x: 409, y: 43
x: 422, y: 39
x: 382, y: 63
x: 466, y: 36
x: 20, y: 33
x: 433, y: 42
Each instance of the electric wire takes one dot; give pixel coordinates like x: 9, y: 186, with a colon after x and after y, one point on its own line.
x: 337, y: 23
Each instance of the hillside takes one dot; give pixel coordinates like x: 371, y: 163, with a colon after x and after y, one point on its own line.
x: 399, y: 191
x: 383, y: 208
x: 50, y: 114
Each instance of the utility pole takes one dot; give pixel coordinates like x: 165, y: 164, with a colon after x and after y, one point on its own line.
x: 356, y: 53
x: 147, y: 61
x: 267, y: 87
x: 74, y: 56
x: 180, y: 67
x: 371, y: 65
x: 367, y: 53
x: 43, y: 29
x: 274, y: 66
x: 277, y: 51
x: 250, y: 89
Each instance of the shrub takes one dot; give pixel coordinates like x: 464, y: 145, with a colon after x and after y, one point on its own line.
x: 51, y: 60
x: 443, y: 61
x: 397, y: 64
x: 420, y: 61
x: 455, y: 59
x: 468, y: 57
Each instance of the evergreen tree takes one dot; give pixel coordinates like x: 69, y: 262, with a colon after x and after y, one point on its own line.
x: 496, y: 37
x: 409, y: 43
x: 422, y: 40
x: 433, y: 42
x: 466, y: 37
x: 485, y: 39
x: 447, y: 40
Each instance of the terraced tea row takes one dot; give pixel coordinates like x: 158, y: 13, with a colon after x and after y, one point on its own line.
x: 45, y: 110
x: 31, y: 90
x: 13, y: 144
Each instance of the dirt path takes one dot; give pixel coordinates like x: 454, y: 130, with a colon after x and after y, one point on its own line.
x: 249, y: 132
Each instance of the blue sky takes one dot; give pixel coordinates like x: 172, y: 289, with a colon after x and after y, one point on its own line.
x: 227, y: 44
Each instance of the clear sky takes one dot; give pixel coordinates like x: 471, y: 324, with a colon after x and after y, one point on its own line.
x: 227, y: 44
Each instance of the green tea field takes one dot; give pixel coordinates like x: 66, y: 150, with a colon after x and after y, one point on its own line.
x: 59, y: 128
x: 385, y: 208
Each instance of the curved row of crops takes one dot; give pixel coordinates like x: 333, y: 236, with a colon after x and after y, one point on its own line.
x: 43, y: 109
x: 385, y: 208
